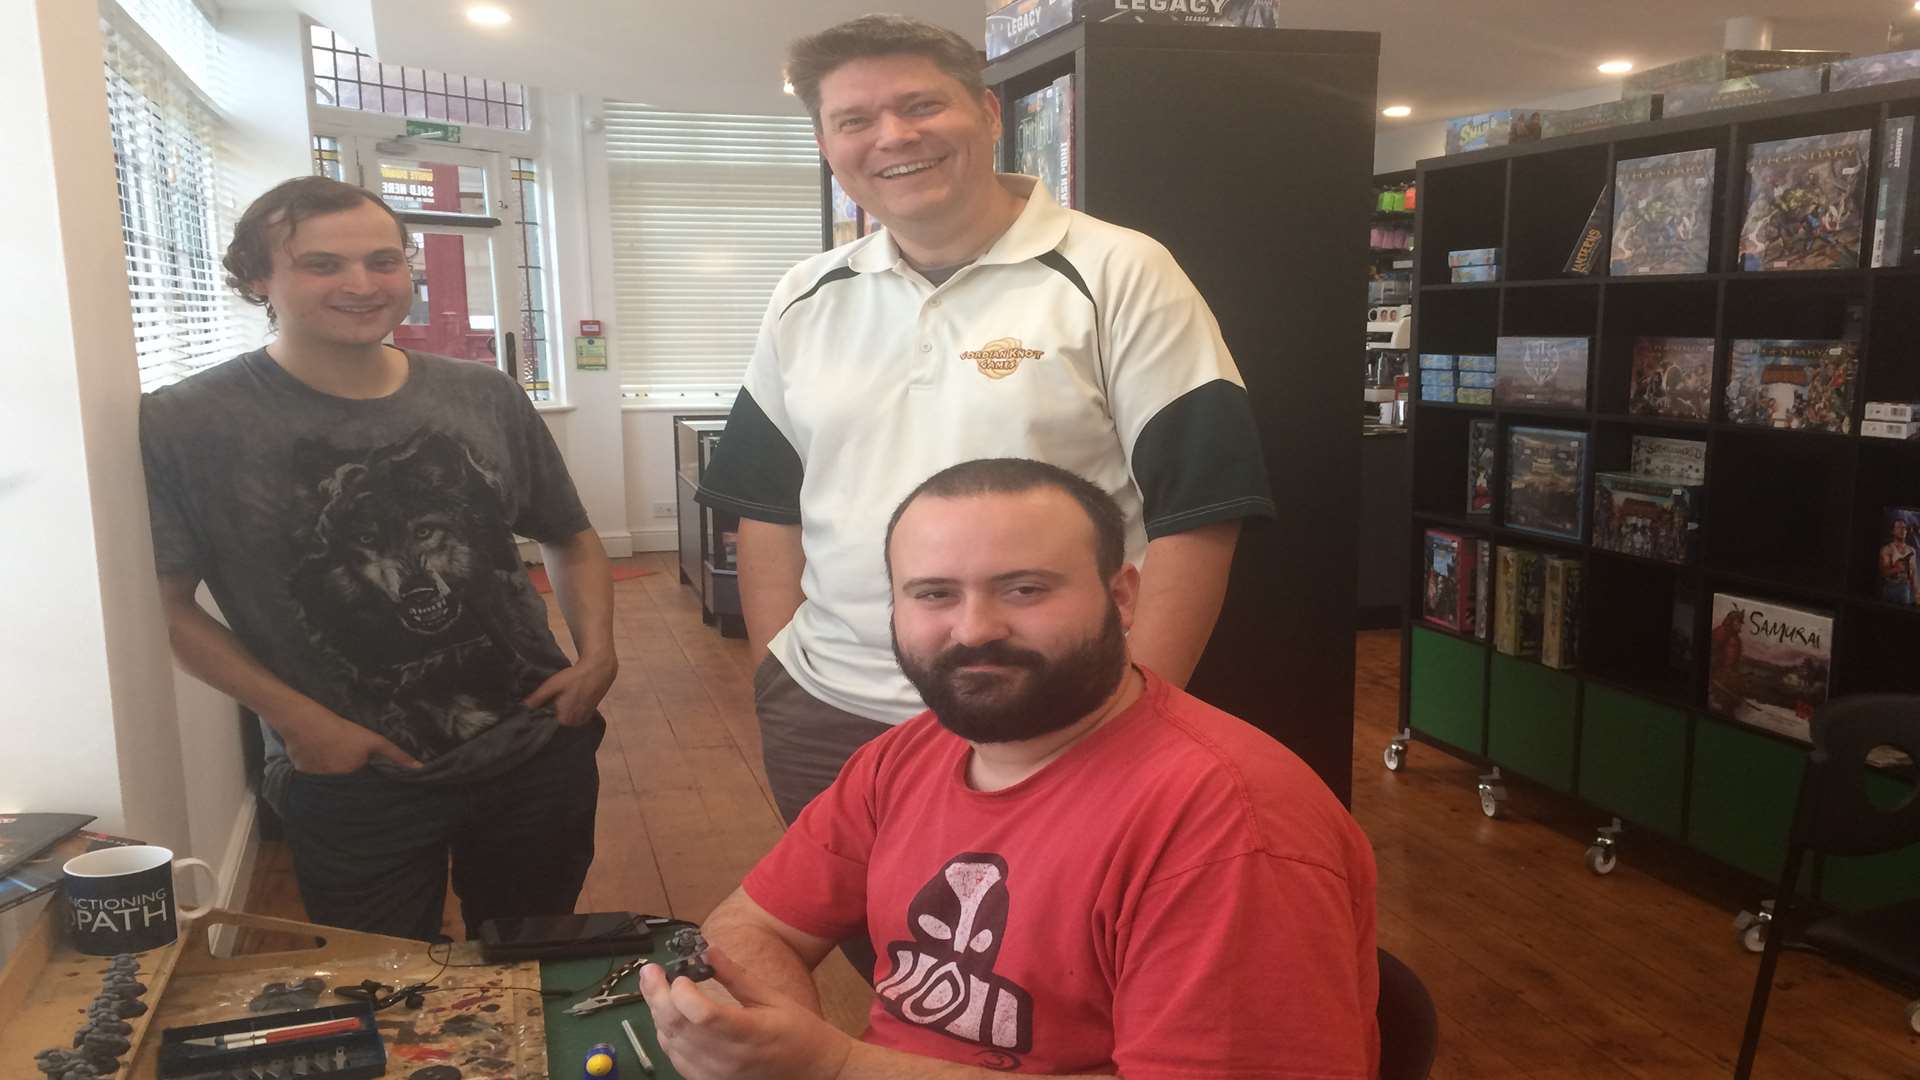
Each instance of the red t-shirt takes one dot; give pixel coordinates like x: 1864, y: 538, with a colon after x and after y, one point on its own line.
x: 1176, y: 895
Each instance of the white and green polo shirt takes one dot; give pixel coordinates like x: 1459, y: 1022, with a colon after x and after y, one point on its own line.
x: 1071, y: 341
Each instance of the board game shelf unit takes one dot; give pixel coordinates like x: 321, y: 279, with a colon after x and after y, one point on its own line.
x: 1792, y: 517
x: 1288, y: 167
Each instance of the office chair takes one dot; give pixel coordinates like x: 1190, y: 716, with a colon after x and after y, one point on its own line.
x: 1835, y: 816
x: 1409, y: 1027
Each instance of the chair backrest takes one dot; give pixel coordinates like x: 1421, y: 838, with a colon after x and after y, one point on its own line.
x: 1837, y: 816
x: 1409, y: 1026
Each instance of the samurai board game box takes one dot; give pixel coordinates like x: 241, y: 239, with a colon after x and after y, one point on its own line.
x: 1806, y: 202
x: 1482, y: 131
x: 1745, y: 90
x: 1635, y: 109
x: 1481, y: 447
x: 1896, y: 215
x: 1043, y: 137
x: 1681, y: 461
x: 1663, y: 213
x: 1721, y: 66
x: 1792, y: 383
x: 1447, y: 589
x: 1672, y: 376
x: 1015, y: 24
x: 1542, y: 372
x: 1896, y: 566
x: 1646, y: 516
x: 1519, y: 589
x: 1560, y: 612
x: 1546, y: 481
x: 1770, y: 663
x: 1874, y: 70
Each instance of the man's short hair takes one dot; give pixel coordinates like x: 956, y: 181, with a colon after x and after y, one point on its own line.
x: 249, y: 256
x: 812, y: 58
x: 1016, y: 476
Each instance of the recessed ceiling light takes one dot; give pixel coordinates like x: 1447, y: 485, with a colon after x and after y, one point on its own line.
x: 1397, y: 111
x: 786, y: 88
x: 1616, y: 67
x: 488, y: 15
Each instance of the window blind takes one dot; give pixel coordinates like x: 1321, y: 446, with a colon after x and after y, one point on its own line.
x: 171, y: 217
x: 708, y: 212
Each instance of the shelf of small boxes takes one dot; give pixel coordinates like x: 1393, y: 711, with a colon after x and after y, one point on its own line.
x: 1457, y: 378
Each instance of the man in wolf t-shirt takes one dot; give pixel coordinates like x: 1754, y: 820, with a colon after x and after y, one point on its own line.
x: 353, y: 507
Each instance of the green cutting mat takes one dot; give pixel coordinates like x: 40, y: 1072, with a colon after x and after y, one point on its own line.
x: 570, y: 1037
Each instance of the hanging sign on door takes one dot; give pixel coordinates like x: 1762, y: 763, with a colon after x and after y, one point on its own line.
x: 429, y: 131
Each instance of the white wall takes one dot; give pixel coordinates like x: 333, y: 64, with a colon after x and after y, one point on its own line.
x: 90, y: 719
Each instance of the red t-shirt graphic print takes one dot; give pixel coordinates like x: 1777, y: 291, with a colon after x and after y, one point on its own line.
x: 944, y: 978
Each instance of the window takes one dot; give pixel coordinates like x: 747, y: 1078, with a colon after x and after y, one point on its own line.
x: 533, y: 360
x: 347, y: 78
x: 184, y: 319
x: 326, y: 158
x: 708, y: 212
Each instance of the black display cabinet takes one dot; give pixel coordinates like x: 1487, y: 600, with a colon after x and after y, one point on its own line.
x: 1249, y: 154
x: 1792, y: 517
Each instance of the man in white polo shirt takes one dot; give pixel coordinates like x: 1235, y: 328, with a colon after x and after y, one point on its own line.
x: 984, y: 321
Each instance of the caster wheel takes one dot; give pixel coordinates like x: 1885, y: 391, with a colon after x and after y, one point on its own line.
x: 1602, y: 860
x: 1754, y: 938
x: 1913, y: 1016
x: 1489, y: 805
x: 1394, y: 756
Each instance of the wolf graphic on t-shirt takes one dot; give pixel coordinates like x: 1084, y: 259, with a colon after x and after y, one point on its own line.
x: 944, y: 979
x: 404, y: 581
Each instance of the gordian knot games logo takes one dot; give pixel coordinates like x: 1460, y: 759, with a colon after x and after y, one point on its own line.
x: 1001, y: 357
x: 944, y: 978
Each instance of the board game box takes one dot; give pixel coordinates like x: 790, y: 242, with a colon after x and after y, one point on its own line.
x: 1543, y: 372
x: 1482, y: 589
x: 1447, y: 593
x: 1502, y: 127
x: 1481, y: 446
x: 1663, y: 213
x: 1043, y: 137
x: 1546, y: 478
x: 1585, y: 259
x: 1682, y: 461
x: 1518, y: 602
x: 1633, y: 109
x: 1873, y: 70
x: 1721, y: 66
x: 1560, y: 612
x: 1646, y: 516
x: 1806, y: 203
x: 1745, y: 90
x: 1769, y: 663
x: 1672, y: 376
x: 1897, y: 567
x: 1896, y: 215
x: 1792, y: 383
x: 1013, y: 25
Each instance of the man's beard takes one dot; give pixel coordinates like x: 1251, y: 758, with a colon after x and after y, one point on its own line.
x: 1038, y: 696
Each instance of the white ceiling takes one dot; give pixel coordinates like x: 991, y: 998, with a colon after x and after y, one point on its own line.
x: 1443, y: 57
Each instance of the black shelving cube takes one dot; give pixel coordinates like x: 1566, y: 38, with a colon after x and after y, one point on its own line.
x: 1791, y: 517
x: 1249, y: 154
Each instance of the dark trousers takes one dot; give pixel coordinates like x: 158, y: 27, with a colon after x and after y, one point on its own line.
x: 804, y: 742
x: 370, y: 853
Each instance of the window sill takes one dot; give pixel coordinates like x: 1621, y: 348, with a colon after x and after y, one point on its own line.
x: 677, y: 405
x: 553, y: 407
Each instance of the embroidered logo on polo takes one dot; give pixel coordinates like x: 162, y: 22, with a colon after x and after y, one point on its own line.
x: 943, y: 979
x: 1001, y: 357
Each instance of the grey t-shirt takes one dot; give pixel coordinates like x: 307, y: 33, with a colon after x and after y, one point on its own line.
x: 364, y: 550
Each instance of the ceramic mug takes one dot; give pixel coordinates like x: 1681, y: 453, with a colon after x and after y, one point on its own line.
x: 121, y: 900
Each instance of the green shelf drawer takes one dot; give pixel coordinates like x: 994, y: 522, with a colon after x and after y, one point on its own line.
x: 1530, y: 720
x: 1745, y: 786
x: 1633, y: 758
x: 1851, y: 884
x: 1448, y: 699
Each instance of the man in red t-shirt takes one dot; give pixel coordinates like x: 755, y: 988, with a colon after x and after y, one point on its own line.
x: 1067, y: 866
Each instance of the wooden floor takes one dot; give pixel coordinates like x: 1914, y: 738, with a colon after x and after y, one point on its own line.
x: 1539, y: 969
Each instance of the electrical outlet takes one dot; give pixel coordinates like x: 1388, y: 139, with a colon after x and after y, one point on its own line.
x: 665, y: 508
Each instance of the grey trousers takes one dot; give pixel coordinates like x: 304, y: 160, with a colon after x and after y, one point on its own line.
x: 804, y: 742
